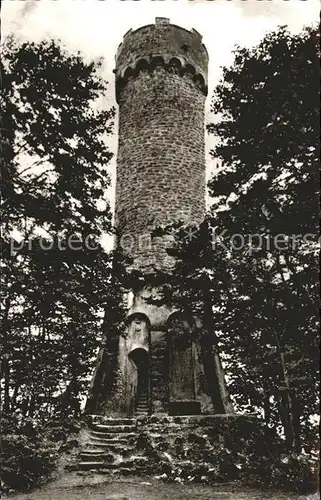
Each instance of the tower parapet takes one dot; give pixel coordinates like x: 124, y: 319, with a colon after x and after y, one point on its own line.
x: 162, y: 44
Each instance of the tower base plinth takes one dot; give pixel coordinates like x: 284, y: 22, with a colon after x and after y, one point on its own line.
x: 185, y: 407
x: 210, y: 448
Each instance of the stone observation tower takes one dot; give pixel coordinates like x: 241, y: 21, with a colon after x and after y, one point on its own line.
x: 161, y: 87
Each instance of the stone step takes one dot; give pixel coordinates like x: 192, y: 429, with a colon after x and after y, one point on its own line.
x: 110, y: 434
x: 138, y: 470
x: 87, y: 455
x: 107, y: 458
x: 156, y: 427
x: 159, y: 435
x: 112, y: 445
x: 116, y: 451
x: 102, y: 419
x: 108, y: 441
x: 159, y: 347
x: 94, y: 464
x: 117, y: 472
x: 114, y: 428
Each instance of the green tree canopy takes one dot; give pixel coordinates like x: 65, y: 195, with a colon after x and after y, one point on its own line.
x: 255, y: 257
x: 56, y: 276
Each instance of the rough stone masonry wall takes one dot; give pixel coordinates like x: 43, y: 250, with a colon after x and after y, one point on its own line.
x: 165, y: 39
x: 161, y: 157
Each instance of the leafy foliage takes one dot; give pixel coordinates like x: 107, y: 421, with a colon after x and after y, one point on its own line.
x: 247, y: 453
x: 26, y: 457
x: 56, y: 279
x: 56, y: 276
x: 254, y: 259
x: 30, y: 451
x: 267, y: 192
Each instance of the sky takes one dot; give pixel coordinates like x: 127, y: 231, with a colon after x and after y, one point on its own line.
x: 96, y: 28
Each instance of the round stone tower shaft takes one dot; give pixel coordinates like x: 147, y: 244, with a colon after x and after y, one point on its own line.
x: 161, y: 86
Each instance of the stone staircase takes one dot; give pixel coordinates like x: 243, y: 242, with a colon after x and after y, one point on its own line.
x: 109, y: 446
x: 159, y: 371
x: 159, y: 444
x: 142, y: 404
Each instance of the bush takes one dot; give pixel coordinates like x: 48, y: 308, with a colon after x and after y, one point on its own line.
x: 296, y: 472
x: 26, y: 457
x: 199, y: 456
x: 30, y: 451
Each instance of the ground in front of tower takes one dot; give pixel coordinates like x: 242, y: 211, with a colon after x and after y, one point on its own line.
x: 74, y: 487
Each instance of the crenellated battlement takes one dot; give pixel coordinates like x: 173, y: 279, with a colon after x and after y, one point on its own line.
x: 162, y: 44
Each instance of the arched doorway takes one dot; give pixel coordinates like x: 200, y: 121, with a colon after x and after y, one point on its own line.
x: 140, y: 357
x: 139, y: 354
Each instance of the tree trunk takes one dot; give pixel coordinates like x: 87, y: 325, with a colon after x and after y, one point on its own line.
x: 212, y: 362
x: 267, y: 408
x: 5, y: 357
x: 286, y: 419
x: 6, y: 389
x: 296, y: 412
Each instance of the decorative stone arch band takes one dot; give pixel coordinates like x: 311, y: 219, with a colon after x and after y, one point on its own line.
x: 171, y: 64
